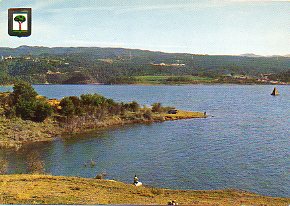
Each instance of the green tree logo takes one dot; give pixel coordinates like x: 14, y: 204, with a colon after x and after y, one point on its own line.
x: 20, y: 19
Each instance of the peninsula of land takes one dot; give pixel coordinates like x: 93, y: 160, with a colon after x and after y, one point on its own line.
x: 26, y: 117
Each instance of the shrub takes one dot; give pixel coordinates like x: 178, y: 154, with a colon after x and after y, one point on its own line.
x: 42, y: 111
x: 110, y: 102
x: 78, y: 108
x: 148, y: 114
x: 134, y: 106
x: 75, y: 100
x: 23, y: 102
x: 24, y: 91
x: 115, y: 109
x: 10, y: 112
x: 67, y: 107
x: 36, y: 110
x: 156, y: 107
x: 6, y: 99
x: 25, y: 109
x: 92, y: 99
x: 101, y: 176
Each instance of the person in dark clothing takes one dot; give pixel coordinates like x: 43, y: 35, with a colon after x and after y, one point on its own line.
x: 136, y: 180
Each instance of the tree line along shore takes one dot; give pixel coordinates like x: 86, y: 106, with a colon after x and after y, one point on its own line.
x: 27, y: 117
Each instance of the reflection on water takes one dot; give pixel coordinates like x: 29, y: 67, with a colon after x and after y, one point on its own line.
x: 34, y: 162
x: 245, y: 145
x: 3, y: 166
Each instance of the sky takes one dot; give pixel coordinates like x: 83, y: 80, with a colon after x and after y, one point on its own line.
x: 199, y: 27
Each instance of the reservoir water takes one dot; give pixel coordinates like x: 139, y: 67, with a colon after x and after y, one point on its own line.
x: 244, y: 144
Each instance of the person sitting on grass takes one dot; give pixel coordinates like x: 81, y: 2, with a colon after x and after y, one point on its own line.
x: 136, y: 181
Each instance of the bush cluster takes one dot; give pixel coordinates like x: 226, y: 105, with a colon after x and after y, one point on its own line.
x: 23, y: 103
x: 94, y: 104
x: 158, y: 108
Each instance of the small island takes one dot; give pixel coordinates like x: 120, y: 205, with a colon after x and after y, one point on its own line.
x: 26, y: 117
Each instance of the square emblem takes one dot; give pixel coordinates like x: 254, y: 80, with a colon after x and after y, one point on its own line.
x: 19, y: 22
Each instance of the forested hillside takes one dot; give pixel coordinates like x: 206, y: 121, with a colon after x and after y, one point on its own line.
x: 84, y: 65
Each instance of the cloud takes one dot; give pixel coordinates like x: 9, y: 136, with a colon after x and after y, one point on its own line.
x: 119, y: 9
x: 134, y: 8
x: 46, y: 4
x: 259, y: 1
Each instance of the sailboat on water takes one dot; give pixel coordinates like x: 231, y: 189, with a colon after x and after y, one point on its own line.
x: 275, y: 92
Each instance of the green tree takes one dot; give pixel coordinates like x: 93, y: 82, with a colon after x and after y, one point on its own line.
x: 92, y: 99
x: 67, y: 107
x: 78, y: 107
x: 20, y: 19
x: 26, y: 105
x: 23, y: 90
x: 35, y: 110
x: 25, y: 109
x: 42, y: 111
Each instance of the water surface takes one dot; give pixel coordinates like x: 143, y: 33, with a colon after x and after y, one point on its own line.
x: 245, y: 144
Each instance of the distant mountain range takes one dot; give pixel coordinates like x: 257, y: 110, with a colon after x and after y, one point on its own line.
x: 250, y: 55
x: 112, y: 65
x: 255, y: 55
x: 39, y: 50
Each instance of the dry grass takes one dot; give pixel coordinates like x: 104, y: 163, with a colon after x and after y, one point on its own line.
x: 15, y: 132
x: 181, y: 114
x: 43, y: 189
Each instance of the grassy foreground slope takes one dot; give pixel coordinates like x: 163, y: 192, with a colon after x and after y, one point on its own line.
x: 44, y: 189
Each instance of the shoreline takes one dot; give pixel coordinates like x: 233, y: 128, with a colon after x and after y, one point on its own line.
x: 21, y: 132
x: 48, y: 189
x: 162, y: 84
